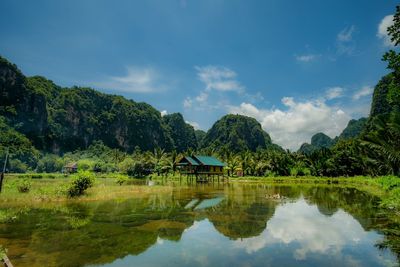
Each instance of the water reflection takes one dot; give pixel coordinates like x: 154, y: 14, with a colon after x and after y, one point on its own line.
x: 233, y: 225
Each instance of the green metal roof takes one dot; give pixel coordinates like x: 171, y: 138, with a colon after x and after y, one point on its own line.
x: 192, y: 161
x: 210, y: 161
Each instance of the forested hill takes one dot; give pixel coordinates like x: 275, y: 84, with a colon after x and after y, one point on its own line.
x: 237, y: 133
x: 385, y: 102
x: 59, y: 119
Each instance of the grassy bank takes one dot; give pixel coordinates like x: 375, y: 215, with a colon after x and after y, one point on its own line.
x: 53, y: 187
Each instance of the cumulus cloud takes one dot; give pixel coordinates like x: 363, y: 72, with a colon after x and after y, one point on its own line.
x: 306, y: 58
x: 365, y: 91
x: 136, y: 80
x: 219, y: 78
x: 382, y: 30
x: 334, y: 92
x: 163, y: 113
x: 297, y: 123
x: 344, y: 41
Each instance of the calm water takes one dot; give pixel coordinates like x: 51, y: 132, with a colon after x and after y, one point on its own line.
x: 222, y: 225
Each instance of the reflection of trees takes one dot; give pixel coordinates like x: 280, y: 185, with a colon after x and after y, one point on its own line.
x: 244, y: 212
x: 236, y: 220
x: 93, y: 233
x: 362, y: 206
x: 101, y: 232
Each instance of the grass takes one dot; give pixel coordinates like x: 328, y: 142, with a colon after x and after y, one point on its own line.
x: 53, y: 187
x: 55, y: 190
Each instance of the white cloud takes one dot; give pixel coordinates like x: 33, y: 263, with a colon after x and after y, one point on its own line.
x: 298, y: 122
x: 136, y: 80
x: 365, y: 91
x: 187, y: 102
x: 195, y: 125
x: 163, y: 113
x: 344, y: 41
x: 202, y: 97
x: 306, y: 58
x: 382, y: 30
x: 334, y: 92
x: 219, y: 78
x: 346, y: 35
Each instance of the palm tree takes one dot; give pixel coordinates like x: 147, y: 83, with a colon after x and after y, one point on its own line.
x: 159, y: 156
x: 384, y: 141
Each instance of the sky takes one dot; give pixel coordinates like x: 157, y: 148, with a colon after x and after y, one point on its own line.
x: 298, y: 67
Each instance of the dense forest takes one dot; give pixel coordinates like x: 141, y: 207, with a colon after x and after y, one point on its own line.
x: 44, y: 126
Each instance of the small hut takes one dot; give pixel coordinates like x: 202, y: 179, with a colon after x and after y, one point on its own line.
x: 201, y: 166
x: 70, y: 168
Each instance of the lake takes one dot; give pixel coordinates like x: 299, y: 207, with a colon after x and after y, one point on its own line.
x: 234, y: 224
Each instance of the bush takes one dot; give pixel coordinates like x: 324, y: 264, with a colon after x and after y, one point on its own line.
x: 80, y: 182
x: 24, y: 186
x: 121, y: 179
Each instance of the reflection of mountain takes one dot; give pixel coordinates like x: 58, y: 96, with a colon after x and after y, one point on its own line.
x: 235, y: 220
x: 94, y: 233
x: 360, y: 205
x: 101, y: 232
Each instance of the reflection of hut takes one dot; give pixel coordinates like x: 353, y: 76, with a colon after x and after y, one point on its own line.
x: 201, y: 166
x: 70, y: 168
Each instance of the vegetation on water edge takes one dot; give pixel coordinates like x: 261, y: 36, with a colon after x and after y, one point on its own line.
x: 46, y: 190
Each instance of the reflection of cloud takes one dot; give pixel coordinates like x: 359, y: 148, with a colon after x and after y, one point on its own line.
x: 308, y: 230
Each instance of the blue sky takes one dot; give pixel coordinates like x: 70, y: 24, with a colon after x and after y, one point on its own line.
x: 298, y: 67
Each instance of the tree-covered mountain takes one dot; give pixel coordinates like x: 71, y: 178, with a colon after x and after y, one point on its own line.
x: 237, y: 133
x: 200, y: 134
x: 64, y: 119
x: 182, y: 133
x: 318, y: 141
x: 353, y: 129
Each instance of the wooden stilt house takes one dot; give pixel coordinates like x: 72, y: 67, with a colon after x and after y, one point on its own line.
x: 201, y: 166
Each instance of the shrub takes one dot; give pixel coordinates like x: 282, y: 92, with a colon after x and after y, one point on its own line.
x: 80, y: 182
x: 121, y: 179
x: 24, y: 186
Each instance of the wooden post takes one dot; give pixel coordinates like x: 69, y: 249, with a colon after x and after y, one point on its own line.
x: 7, y: 261
x: 4, y: 170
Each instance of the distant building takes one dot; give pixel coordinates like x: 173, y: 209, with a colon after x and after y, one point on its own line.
x: 201, y: 165
x: 70, y: 168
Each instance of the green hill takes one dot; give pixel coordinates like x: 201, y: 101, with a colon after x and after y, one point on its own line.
x: 237, y: 133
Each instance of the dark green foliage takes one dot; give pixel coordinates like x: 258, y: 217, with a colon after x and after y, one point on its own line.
x: 80, y: 183
x: 321, y: 140
x: 307, y: 148
x: 24, y: 108
x: 200, y: 134
x: 318, y: 141
x: 182, y: 134
x: 353, y: 129
x: 237, y: 133
x: 22, y: 154
x: 380, y: 104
